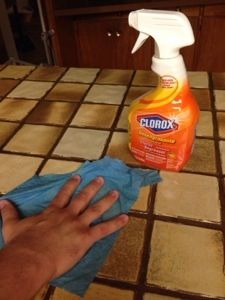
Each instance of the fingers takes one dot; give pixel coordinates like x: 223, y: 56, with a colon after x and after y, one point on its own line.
x: 84, y: 197
x: 10, y: 215
x: 95, y: 211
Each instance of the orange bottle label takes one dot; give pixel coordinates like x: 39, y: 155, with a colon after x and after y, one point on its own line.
x: 162, y: 125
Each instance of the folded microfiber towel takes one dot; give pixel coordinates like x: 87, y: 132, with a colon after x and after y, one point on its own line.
x: 34, y: 195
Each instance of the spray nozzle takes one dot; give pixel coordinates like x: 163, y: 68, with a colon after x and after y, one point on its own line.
x: 171, y: 31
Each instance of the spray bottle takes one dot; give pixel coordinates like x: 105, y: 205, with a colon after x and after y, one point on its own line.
x: 162, y: 123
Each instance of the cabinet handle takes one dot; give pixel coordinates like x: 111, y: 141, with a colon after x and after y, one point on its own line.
x: 109, y: 33
x: 118, y: 34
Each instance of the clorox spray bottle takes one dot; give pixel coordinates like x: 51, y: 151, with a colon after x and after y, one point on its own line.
x: 162, y: 123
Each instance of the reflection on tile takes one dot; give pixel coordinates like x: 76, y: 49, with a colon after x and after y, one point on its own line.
x: 135, y: 92
x: 205, y: 125
x: 82, y: 143
x: 111, y: 94
x: 198, y: 79
x: 80, y: 75
x: 95, y: 115
x: 221, y: 123
x: 18, y: 168
x: 188, y: 195
x: 187, y: 258
x: 142, y: 201
x: 46, y: 73
x: 118, y: 148
x: 158, y: 297
x: 95, y: 292
x: 35, y: 139
x: 42, y: 293
x: 68, y: 92
x: 31, y: 90
x: 219, y: 99
x: 15, y: 71
x: 15, y: 110
x: 218, y: 80
x: 123, y: 120
x: 124, y: 260
x: 55, y: 166
x: 202, y: 97
x: 114, y: 76
x: 145, y: 78
x: 6, y: 130
x: 203, y: 157
x: 52, y: 112
x: 222, y: 155
x: 6, y: 85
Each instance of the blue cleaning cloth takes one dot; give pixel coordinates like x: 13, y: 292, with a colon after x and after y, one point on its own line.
x: 34, y: 195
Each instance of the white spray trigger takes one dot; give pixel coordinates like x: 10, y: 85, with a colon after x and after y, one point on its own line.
x: 140, y: 41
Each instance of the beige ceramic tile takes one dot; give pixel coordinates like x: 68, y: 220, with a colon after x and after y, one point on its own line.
x: 123, y: 120
x: 15, y: 110
x: 95, y: 292
x: 142, y: 201
x: 55, y: 166
x: 118, y: 148
x: 145, y: 78
x: 46, y: 73
x: 222, y: 154
x: 202, y: 97
x: 219, y: 99
x: 218, y: 80
x: 198, y: 79
x: 6, y: 85
x: 82, y: 143
x: 221, y: 123
x: 72, y: 92
x: 124, y: 260
x: 6, y: 130
x: 16, y: 72
x: 110, y: 94
x: 158, y: 297
x: 135, y: 92
x: 31, y: 90
x: 35, y: 139
x: 188, y: 195
x: 187, y: 258
x: 80, y: 75
x: 48, y: 112
x: 18, y: 168
x: 114, y: 76
x: 95, y: 115
x: 203, y: 157
x: 205, y: 125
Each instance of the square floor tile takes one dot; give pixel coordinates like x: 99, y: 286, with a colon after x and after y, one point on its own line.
x: 142, y: 201
x: 46, y: 73
x: 114, y: 76
x: 56, y: 166
x: 80, y: 75
x: 135, y: 92
x: 203, y: 157
x: 15, y: 110
x: 124, y: 260
x: 6, y: 130
x: 82, y: 143
x: 48, y: 112
x: 198, y: 79
x: 95, y: 115
x: 219, y: 99
x: 221, y: 123
x: 123, y: 120
x: 202, y: 97
x: 205, y: 125
x: 118, y: 148
x: 158, y: 297
x: 72, y: 92
x: 6, y: 85
x: 218, y: 80
x: 95, y: 292
x: 35, y: 139
x: 145, y: 78
x: 111, y: 94
x: 16, y: 72
x: 17, y: 168
x: 187, y: 258
x: 31, y: 90
x: 222, y: 154
x: 188, y: 195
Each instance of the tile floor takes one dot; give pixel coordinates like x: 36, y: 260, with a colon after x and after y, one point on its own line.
x: 52, y: 119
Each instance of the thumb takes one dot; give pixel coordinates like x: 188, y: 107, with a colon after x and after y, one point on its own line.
x: 9, y: 213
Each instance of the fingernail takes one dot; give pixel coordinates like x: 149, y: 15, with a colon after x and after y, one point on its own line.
x: 114, y: 193
x: 99, y: 180
x: 124, y: 218
x: 76, y: 177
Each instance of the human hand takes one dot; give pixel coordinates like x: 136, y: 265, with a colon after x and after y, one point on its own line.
x: 60, y: 235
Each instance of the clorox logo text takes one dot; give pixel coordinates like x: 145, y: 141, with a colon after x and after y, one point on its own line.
x: 157, y: 123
